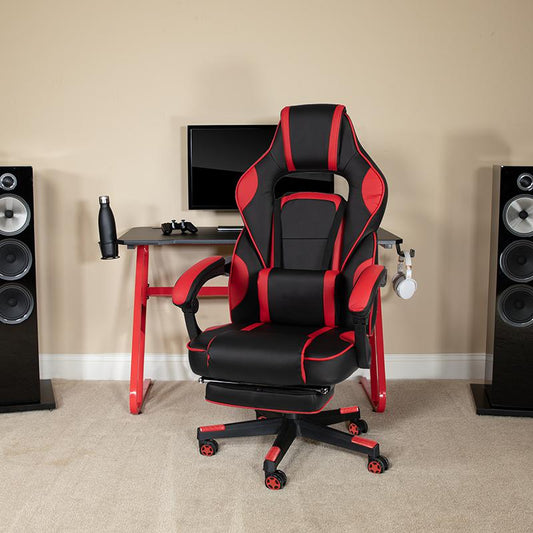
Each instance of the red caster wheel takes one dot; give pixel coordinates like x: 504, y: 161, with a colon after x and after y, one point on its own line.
x: 378, y: 465
x: 275, y: 481
x: 208, y: 447
x: 356, y: 427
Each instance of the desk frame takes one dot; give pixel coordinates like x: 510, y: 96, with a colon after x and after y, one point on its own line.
x: 375, y: 387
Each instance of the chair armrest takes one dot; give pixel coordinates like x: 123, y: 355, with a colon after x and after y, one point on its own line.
x: 190, y: 282
x: 362, y: 299
x: 365, y: 290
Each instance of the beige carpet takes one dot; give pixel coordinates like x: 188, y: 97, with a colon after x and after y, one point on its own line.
x: 91, y: 466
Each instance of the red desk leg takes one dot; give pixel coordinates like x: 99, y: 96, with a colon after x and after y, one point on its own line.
x: 376, y: 390
x: 138, y: 385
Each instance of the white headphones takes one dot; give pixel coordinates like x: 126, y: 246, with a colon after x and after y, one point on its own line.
x: 403, y: 283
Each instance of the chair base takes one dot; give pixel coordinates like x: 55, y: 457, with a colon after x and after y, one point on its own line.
x: 289, y: 426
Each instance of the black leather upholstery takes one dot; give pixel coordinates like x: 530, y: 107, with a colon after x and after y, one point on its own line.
x: 294, y: 267
x: 274, y: 354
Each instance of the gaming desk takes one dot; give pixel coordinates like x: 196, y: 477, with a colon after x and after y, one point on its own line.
x: 141, y: 238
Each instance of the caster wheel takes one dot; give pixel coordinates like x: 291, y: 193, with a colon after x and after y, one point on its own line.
x: 275, y: 481
x: 208, y: 447
x: 378, y: 465
x: 356, y: 427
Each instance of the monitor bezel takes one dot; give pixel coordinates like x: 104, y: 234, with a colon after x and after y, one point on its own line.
x: 190, y: 129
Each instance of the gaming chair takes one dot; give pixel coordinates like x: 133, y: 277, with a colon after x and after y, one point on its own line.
x: 303, y: 292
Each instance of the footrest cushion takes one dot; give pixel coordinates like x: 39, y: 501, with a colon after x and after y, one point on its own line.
x: 292, y: 400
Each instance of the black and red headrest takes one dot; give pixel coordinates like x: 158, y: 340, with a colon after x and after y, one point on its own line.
x: 317, y: 137
x: 311, y: 136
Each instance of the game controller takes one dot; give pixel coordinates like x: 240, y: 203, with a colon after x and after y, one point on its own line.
x: 184, y: 226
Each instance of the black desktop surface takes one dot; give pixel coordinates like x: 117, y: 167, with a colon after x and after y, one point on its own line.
x: 149, y: 236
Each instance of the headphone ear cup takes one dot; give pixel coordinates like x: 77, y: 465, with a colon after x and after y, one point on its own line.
x: 406, y: 288
x: 398, y: 278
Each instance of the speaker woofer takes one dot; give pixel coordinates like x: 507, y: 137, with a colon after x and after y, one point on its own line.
x: 516, y: 261
x: 16, y: 303
x: 14, y: 214
x: 515, y: 306
x: 15, y: 259
x: 518, y: 215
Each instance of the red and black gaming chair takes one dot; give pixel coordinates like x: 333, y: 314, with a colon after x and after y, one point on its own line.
x: 303, y: 292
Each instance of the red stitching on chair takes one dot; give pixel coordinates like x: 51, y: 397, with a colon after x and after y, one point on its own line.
x: 252, y: 326
x: 286, y: 132
x: 334, y: 137
x: 330, y: 357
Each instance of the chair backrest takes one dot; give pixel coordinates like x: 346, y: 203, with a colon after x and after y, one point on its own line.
x: 305, y: 231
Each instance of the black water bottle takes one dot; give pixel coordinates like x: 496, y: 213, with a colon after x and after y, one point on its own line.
x: 108, y: 230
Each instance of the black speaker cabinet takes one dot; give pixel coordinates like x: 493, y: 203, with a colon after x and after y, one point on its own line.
x: 20, y: 386
x: 509, y: 365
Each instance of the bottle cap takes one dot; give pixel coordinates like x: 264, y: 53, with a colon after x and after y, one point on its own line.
x: 103, y: 200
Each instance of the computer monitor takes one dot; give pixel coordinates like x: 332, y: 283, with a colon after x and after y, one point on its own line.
x: 219, y: 155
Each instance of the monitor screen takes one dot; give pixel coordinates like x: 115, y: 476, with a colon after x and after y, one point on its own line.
x: 219, y: 155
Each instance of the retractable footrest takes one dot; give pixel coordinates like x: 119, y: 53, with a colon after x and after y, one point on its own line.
x: 292, y: 400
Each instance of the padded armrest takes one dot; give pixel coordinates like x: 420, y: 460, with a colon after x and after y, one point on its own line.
x: 362, y: 299
x: 365, y: 289
x: 190, y: 282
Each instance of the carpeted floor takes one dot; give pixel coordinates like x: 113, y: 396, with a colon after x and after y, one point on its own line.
x: 91, y: 466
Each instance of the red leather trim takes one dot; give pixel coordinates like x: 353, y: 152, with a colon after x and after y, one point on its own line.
x: 348, y: 336
x: 367, y: 443
x: 241, y: 208
x: 346, y: 410
x: 363, y: 288
x: 337, y: 247
x: 246, y: 188
x: 262, y: 293
x: 328, y: 296
x: 310, y: 338
x: 194, y: 349
x: 252, y: 326
x: 218, y: 427
x: 328, y: 197
x: 372, y: 190
x: 273, y: 410
x: 380, y: 202
x: 272, y: 454
x: 330, y: 357
x: 183, y: 285
x: 286, y: 132
x: 334, y: 137
x: 362, y: 266
x: 239, y: 280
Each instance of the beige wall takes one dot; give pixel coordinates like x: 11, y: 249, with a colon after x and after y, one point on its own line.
x: 96, y: 96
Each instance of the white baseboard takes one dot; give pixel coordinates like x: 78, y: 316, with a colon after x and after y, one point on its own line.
x: 116, y: 366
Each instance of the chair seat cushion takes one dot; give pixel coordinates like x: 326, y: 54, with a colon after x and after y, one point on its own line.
x: 274, y: 354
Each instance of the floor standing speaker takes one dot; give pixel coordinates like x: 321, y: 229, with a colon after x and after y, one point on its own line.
x: 20, y: 386
x: 509, y: 365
